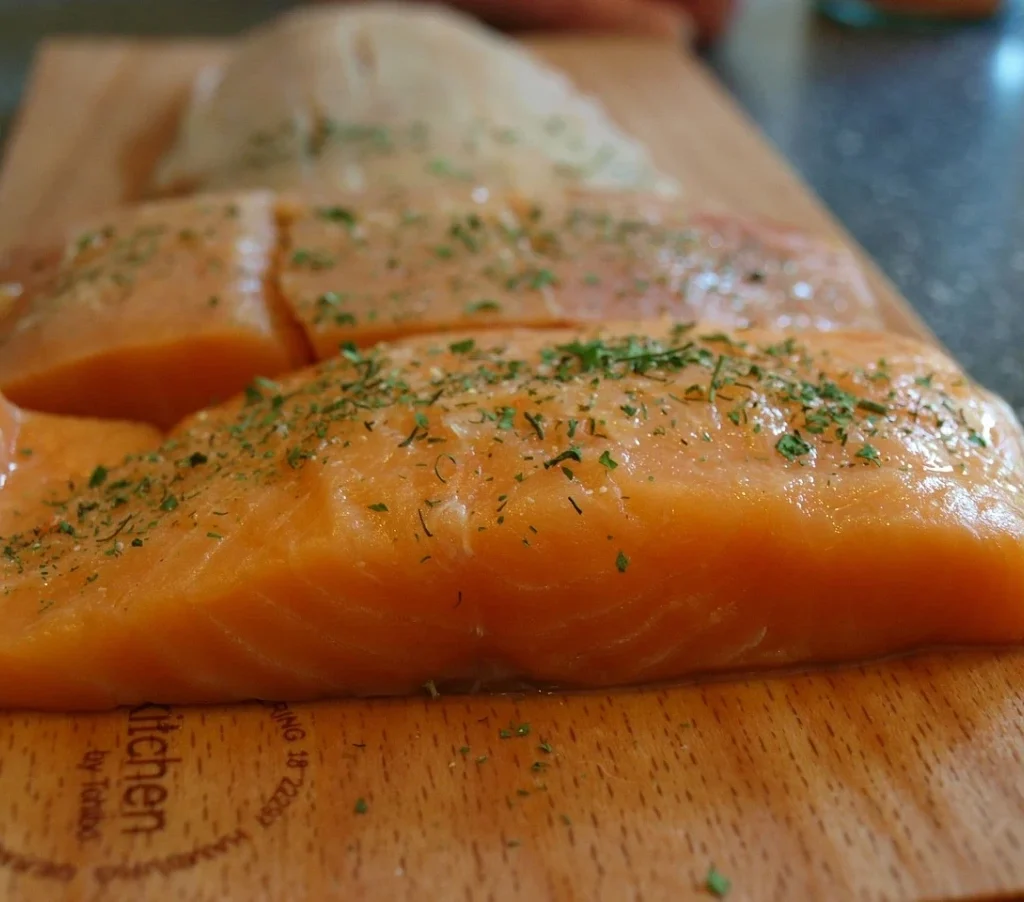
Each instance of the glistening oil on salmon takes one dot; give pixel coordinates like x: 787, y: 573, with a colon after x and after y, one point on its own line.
x: 582, y: 508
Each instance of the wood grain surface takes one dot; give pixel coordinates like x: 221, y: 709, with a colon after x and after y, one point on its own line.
x: 896, y: 781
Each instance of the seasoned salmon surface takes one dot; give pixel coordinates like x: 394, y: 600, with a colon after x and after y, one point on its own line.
x: 577, y: 508
x: 43, y: 456
x: 154, y: 312
x: 364, y: 270
x: 25, y: 272
x: 158, y: 311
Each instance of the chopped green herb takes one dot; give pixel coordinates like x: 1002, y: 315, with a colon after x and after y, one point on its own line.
x: 379, y: 507
x: 337, y: 214
x: 361, y: 807
x: 462, y: 347
x: 507, y: 417
x: 869, y: 453
x: 330, y: 299
x: 573, y: 453
x: 441, y: 457
x: 542, y: 278
x: 621, y: 561
x: 267, y: 384
x: 717, y: 884
x: 98, y: 477
x: 214, y: 535
x: 312, y: 259
x: 791, y: 446
x: 535, y: 421
x: 169, y: 503
x: 783, y: 349
x: 522, y: 729
x: 484, y: 306
x: 296, y: 456
x: 713, y: 388
x: 606, y: 460
x: 872, y: 406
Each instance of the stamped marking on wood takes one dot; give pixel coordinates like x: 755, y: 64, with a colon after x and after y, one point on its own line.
x: 93, y: 796
x: 124, y: 793
x: 32, y: 866
x: 168, y: 864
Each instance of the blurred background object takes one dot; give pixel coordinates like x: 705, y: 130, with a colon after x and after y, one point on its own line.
x: 909, y: 14
x: 700, y: 20
x: 915, y: 138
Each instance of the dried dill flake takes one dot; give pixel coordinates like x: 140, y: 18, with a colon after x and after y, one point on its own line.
x: 792, y: 447
x: 716, y: 883
x: 869, y: 453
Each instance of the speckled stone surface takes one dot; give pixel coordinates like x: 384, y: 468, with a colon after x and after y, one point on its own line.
x: 916, y: 141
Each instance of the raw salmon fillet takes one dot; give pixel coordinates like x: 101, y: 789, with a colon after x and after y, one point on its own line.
x: 25, y: 272
x: 378, y: 94
x: 569, y: 508
x: 155, y: 312
x: 42, y: 455
x: 364, y: 270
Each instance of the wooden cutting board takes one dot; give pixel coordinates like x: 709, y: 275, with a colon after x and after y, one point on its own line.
x: 901, y: 781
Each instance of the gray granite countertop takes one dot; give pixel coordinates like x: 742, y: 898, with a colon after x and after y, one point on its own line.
x: 916, y: 141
